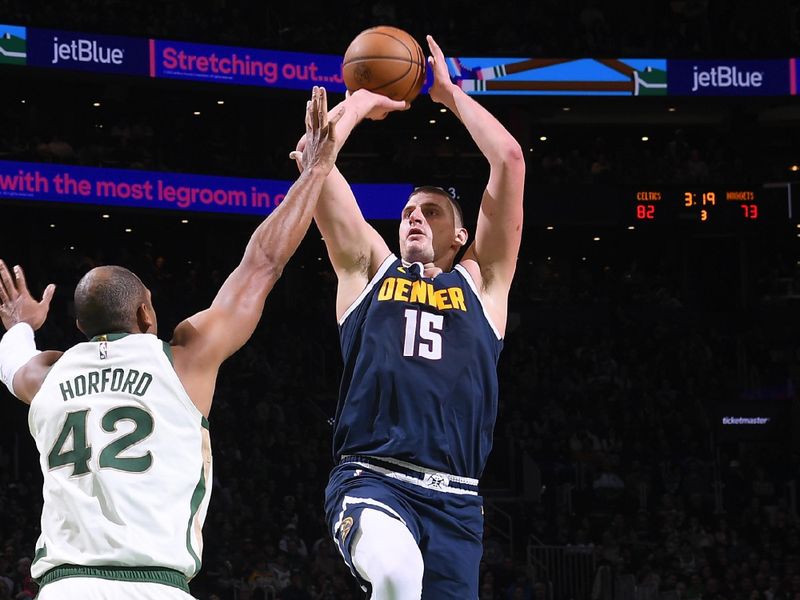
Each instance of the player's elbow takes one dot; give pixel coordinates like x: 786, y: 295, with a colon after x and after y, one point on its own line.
x: 263, y: 271
x: 513, y: 156
x: 512, y: 160
x: 270, y: 271
x: 508, y: 154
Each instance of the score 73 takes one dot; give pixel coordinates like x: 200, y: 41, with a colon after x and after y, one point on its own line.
x: 750, y: 211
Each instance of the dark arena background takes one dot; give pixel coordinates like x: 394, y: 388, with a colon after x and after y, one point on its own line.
x: 646, y: 445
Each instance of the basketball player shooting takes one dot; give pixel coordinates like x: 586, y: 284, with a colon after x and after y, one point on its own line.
x: 120, y: 421
x: 420, y: 339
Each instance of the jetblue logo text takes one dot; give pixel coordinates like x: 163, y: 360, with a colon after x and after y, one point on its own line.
x: 86, y: 51
x: 726, y: 77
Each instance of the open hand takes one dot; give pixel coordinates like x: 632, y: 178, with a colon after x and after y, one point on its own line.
x: 16, y: 303
x: 442, y: 88
x: 317, y: 148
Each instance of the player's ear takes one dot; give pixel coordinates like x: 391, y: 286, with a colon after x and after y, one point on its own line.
x: 145, y: 318
x: 461, y: 236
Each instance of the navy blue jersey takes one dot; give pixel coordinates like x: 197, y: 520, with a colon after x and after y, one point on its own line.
x: 420, y: 372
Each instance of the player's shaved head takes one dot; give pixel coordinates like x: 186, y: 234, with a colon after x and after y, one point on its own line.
x: 107, y: 299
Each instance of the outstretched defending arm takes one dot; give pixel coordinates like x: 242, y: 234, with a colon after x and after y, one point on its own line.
x: 202, y: 342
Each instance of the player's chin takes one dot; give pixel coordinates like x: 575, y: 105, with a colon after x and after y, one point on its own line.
x: 417, y: 252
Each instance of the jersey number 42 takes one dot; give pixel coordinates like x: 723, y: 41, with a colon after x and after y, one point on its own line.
x: 80, y: 453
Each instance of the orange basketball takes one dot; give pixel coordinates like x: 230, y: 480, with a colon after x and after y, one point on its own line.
x: 385, y: 60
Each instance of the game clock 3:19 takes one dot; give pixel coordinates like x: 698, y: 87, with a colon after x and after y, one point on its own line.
x: 697, y: 204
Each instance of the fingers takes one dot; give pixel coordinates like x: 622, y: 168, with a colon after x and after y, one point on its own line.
x: 308, y: 117
x: 400, y: 105
x: 297, y: 157
x: 436, y: 59
x: 20, y: 275
x: 390, y: 105
x: 319, y: 107
x: 8, y: 290
x: 48, y: 295
x: 315, y: 123
x: 323, y: 106
x: 436, y: 52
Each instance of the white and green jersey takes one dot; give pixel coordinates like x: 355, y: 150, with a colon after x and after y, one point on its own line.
x: 126, y: 459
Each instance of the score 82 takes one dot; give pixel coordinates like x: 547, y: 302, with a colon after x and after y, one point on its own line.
x: 645, y: 212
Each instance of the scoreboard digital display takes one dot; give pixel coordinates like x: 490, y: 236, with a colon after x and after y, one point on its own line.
x: 707, y: 205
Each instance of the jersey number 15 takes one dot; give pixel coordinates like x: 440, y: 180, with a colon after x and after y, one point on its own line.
x: 423, y: 336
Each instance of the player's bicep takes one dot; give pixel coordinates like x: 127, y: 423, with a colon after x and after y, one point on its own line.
x: 352, y: 243
x: 214, y: 334
x: 29, y: 378
x: 354, y: 248
x: 498, y: 234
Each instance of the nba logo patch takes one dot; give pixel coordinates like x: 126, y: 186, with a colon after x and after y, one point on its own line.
x: 347, y: 525
x: 103, y: 350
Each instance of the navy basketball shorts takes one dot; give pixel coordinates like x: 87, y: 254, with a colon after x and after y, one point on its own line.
x: 444, y: 516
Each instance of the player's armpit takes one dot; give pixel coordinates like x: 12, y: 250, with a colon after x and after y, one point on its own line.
x: 198, y: 351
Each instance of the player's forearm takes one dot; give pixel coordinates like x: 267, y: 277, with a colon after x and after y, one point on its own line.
x: 277, y: 238
x: 494, y: 141
x: 357, y: 109
x: 336, y: 203
x: 362, y: 104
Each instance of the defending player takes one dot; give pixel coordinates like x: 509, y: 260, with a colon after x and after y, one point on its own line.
x: 120, y: 420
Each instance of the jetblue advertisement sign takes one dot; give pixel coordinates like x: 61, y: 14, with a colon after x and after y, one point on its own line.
x: 87, y: 52
x: 728, y: 77
x: 174, y: 191
x: 299, y: 70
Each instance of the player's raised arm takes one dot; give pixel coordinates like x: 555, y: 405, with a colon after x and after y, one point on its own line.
x: 22, y: 366
x: 355, y: 248
x: 202, y: 342
x: 499, y: 228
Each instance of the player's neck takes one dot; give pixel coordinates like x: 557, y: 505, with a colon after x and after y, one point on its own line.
x: 427, y: 269
x: 431, y: 270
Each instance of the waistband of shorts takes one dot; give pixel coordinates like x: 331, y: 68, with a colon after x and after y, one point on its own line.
x: 414, y: 474
x: 160, y: 575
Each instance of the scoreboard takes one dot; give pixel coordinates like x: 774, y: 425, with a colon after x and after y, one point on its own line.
x: 710, y: 204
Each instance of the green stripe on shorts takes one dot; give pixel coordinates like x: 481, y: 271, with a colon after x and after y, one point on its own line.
x: 132, y: 574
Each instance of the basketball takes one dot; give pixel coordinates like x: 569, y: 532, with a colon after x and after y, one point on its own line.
x: 385, y: 60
